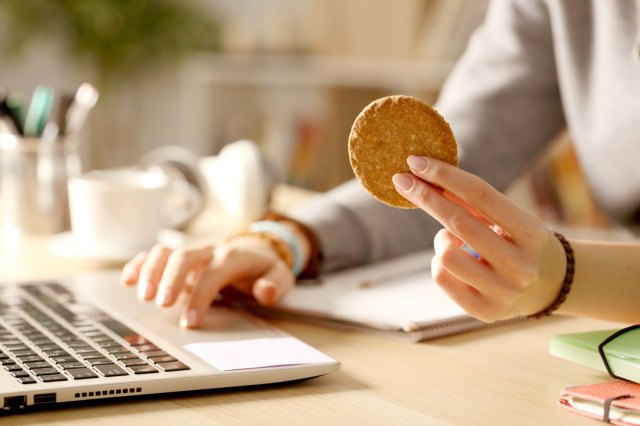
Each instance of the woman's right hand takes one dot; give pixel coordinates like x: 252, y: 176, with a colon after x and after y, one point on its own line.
x: 248, y: 263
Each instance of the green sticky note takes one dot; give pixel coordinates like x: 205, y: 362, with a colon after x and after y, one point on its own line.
x: 622, y: 353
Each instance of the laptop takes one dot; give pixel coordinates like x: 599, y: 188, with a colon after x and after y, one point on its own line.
x: 87, y: 337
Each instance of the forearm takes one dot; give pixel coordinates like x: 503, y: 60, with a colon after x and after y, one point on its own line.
x: 606, y: 282
x: 354, y: 228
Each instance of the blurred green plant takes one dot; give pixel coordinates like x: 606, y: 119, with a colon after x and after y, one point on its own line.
x: 117, y: 37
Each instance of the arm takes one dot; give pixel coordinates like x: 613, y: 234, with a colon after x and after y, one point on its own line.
x: 607, y: 281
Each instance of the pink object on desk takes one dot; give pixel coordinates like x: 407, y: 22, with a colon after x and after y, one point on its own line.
x: 616, y: 402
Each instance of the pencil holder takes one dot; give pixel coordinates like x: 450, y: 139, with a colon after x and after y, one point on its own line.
x: 33, y: 183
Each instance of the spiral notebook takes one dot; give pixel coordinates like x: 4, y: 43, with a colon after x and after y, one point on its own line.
x: 396, y: 297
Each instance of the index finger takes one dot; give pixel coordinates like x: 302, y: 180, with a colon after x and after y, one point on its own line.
x: 476, y: 192
x: 131, y: 270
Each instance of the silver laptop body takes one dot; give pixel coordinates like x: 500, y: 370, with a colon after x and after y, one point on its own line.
x: 87, y: 338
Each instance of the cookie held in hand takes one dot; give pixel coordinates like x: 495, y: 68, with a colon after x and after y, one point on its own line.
x: 386, y: 133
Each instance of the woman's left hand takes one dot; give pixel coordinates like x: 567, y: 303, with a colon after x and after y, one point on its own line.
x: 519, y: 266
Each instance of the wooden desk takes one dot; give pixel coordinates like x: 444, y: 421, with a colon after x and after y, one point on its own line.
x: 498, y: 376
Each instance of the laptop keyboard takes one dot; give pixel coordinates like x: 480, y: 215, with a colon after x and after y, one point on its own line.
x: 42, y: 340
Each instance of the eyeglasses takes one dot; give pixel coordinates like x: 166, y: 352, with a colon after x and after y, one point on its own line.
x: 614, y: 336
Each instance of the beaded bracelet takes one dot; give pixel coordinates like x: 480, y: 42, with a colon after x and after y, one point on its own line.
x: 566, y: 284
x: 316, y: 256
x: 279, y: 230
x: 279, y: 246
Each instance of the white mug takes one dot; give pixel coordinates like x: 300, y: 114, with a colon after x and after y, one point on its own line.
x: 124, y: 208
x: 240, y: 180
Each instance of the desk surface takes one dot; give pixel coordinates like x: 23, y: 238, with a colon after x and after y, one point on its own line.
x: 501, y: 375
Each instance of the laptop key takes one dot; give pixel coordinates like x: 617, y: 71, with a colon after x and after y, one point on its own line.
x: 99, y: 361
x: 60, y: 359
x: 36, y: 364
x: 68, y: 365
x: 143, y: 369
x: 26, y: 380
x: 115, y: 349
x: 125, y: 355
x: 111, y: 370
x: 132, y: 361
x: 82, y: 373
x: 44, y: 371
x: 56, y: 353
x: 12, y: 367
x: 24, y: 352
x: 49, y: 347
x: 52, y: 378
x: 152, y: 354
x: 29, y: 358
x: 91, y: 355
x: 117, y: 327
x: 159, y: 359
x: 20, y: 373
x: 173, y: 366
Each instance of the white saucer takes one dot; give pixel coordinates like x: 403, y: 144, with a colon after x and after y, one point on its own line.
x: 64, y: 245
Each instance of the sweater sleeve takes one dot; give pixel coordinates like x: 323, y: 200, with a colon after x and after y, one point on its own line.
x: 503, y: 104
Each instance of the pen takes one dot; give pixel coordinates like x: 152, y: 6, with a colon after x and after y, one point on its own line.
x: 85, y: 99
x: 471, y: 251
x: 14, y: 103
x: 39, y: 111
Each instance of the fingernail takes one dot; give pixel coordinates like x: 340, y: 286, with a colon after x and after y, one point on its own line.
x: 142, y: 289
x: 268, y: 292
x: 189, y: 320
x: 416, y: 163
x: 402, y: 181
x: 126, y: 277
x: 165, y: 296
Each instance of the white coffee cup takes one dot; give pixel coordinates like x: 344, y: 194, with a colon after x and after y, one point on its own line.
x: 239, y: 180
x: 123, y: 208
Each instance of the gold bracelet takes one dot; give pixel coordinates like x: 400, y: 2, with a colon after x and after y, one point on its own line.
x: 566, y: 284
x: 279, y: 246
x: 316, y: 257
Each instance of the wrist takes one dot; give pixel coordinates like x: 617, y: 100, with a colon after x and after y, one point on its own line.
x: 301, y: 240
x: 287, y: 236
x: 542, y: 291
x: 313, y: 259
x: 557, y: 275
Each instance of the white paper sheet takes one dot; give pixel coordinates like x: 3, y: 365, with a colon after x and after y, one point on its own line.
x: 257, y: 353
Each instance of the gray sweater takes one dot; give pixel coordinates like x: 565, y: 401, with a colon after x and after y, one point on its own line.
x: 532, y: 69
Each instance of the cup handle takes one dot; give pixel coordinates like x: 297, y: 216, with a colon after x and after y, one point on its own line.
x: 187, y: 195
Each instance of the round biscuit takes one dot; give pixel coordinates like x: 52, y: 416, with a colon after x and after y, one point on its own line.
x: 386, y: 133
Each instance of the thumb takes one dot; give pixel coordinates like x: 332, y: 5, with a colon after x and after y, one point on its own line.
x: 273, y: 285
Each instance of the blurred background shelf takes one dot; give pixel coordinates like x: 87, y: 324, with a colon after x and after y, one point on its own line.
x: 290, y: 74
x: 280, y: 69
x: 298, y: 108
